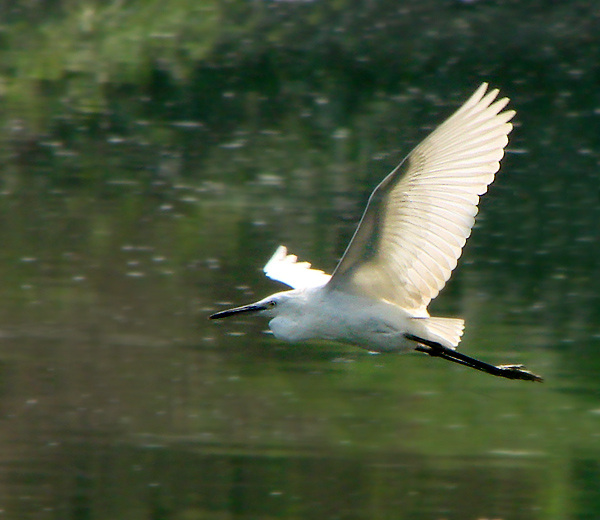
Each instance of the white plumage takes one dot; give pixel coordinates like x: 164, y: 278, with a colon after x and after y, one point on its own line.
x: 420, y: 216
x: 286, y: 269
x: 407, y: 244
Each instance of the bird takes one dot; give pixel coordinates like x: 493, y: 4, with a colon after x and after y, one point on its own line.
x: 406, y: 245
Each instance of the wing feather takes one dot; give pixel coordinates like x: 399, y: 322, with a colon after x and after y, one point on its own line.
x: 418, y: 219
x: 286, y: 269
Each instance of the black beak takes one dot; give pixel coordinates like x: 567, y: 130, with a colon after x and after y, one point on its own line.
x: 237, y: 310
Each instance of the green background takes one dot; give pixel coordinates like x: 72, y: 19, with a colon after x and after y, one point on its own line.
x: 154, y: 154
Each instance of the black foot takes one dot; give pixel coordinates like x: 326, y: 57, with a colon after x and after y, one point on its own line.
x: 519, y: 372
x: 508, y: 371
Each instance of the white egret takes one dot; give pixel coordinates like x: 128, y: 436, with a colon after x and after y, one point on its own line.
x: 407, y: 244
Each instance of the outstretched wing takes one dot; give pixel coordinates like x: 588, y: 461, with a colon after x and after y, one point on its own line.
x: 420, y: 216
x: 298, y: 275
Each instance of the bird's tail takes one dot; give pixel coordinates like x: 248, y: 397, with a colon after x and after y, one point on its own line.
x: 446, y: 331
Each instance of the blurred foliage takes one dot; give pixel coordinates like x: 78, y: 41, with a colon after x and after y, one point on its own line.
x: 73, y: 60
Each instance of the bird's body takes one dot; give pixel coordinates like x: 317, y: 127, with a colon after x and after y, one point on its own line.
x: 403, y: 251
x: 376, y: 325
x: 314, y: 313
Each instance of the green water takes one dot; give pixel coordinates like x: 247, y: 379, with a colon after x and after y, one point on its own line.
x: 144, y: 186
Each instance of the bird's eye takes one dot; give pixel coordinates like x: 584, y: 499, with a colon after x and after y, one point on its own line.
x: 271, y: 304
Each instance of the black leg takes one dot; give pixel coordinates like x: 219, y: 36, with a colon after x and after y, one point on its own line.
x: 436, y: 350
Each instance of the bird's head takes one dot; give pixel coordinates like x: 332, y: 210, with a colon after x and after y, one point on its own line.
x: 269, y: 307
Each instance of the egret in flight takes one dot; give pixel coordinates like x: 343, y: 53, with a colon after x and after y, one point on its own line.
x: 405, y: 247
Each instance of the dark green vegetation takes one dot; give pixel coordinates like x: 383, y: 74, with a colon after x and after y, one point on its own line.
x: 153, y: 156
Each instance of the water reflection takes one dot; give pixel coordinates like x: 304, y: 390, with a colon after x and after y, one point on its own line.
x: 179, y: 482
x: 120, y: 398
x: 107, y: 425
x: 128, y: 405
